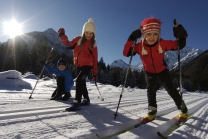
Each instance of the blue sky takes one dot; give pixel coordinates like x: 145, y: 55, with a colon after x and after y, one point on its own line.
x: 114, y: 20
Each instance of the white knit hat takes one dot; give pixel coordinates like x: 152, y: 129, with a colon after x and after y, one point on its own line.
x: 89, y: 26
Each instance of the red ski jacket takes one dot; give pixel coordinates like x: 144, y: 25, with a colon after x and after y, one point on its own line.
x: 83, y: 55
x: 153, y: 61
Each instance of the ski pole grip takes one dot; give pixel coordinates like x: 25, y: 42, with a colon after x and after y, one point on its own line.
x: 174, y: 21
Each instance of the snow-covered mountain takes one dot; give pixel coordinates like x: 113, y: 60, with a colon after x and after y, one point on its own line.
x: 119, y: 63
x: 171, y: 57
x: 187, y: 54
x: 49, y: 35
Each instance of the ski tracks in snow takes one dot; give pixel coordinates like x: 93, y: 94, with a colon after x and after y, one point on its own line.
x: 39, y: 118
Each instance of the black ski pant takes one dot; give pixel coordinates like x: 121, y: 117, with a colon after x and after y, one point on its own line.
x: 81, y: 88
x: 164, y: 77
x: 60, y: 87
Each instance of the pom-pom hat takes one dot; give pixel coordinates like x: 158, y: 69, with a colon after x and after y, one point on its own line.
x: 89, y: 26
x: 150, y: 25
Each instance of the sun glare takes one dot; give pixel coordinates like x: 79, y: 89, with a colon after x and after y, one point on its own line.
x: 12, y: 28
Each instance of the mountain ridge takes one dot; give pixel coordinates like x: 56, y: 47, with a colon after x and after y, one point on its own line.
x: 171, y: 57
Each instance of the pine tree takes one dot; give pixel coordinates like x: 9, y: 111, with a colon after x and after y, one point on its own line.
x: 116, y: 76
x: 102, y: 71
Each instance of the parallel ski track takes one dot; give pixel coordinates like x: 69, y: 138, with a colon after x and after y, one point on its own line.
x: 27, y: 112
x: 50, y: 111
x: 154, y: 127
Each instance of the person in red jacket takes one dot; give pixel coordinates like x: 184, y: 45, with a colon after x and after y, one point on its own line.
x: 85, y: 58
x: 151, y: 50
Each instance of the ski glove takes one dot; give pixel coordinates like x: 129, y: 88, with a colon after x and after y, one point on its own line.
x: 61, y: 31
x: 135, y: 35
x: 130, y: 52
x: 94, y: 78
x: 179, y: 32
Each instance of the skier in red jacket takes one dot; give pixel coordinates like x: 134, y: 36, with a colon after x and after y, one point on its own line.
x: 85, y: 59
x: 151, y: 50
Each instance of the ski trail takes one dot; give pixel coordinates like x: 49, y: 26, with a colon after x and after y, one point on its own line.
x: 161, y: 124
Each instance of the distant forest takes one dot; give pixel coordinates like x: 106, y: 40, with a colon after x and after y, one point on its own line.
x: 24, y: 58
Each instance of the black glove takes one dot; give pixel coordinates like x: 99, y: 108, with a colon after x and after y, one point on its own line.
x: 135, y: 35
x: 61, y: 31
x: 179, y: 32
x: 130, y: 53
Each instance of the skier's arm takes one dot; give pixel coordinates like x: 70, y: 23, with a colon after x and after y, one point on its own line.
x: 127, y: 51
x: 180, y: 34
x: 65, y: 40
x: 128, y: 46
x: 51, y: 70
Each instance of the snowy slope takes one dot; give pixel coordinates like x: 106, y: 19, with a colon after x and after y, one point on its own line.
x: 41, y: 118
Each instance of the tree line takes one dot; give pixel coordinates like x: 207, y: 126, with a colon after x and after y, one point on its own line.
x: 32, y: 57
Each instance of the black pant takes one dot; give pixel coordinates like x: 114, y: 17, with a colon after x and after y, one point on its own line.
x: 81, y: 88
x: 164, y: 77
x: 60, y: 87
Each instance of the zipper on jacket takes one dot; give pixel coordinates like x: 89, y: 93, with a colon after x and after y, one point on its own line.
x: 152, y: 59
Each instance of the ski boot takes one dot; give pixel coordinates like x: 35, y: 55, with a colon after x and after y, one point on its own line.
x: 85, y: 102
x: 182, y: 117
x: 150, y: 115
x: 66, y: 96
x: 75, y: 105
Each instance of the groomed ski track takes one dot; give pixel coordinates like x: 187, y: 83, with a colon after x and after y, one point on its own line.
x: 24, y: 112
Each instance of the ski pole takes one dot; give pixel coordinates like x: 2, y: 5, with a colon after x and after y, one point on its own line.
x: 30, y: 97
x: 115, y: 115
x: 75, y: 79
x: 102, y: 99
x: 179, y: 66
x: 179, y: 62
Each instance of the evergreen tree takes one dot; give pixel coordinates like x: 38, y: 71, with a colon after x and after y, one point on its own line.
x: 136, y: 79
x: 116, y: 76
x: 130, y: 78
x: 102, y: 71
x: 101, y: 64
x: 142, y: 82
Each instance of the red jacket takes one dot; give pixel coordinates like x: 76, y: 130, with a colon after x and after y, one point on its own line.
x: 83, y: 55
x: 153, y: 62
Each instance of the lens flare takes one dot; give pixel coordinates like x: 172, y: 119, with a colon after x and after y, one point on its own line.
x: 12, y: 28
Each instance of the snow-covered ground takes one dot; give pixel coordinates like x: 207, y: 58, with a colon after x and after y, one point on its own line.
x: 21, y: 117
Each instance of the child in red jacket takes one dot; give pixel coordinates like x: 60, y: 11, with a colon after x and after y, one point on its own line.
x: 151, y: 50
x: 85, y: 59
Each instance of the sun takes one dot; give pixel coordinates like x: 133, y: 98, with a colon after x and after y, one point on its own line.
x: 12, y: 28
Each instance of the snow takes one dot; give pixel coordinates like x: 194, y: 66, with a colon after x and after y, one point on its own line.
x: 21, y: 117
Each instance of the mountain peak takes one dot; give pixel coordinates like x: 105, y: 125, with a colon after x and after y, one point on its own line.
x: 50, y: 30
x: 119, y: 63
